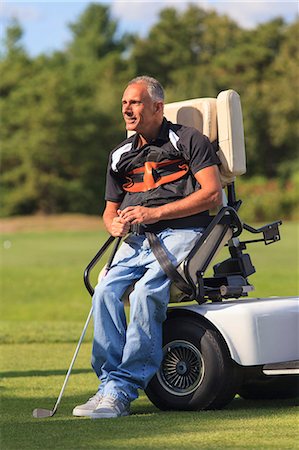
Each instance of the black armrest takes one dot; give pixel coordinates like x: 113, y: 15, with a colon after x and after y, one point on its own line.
x: 270, y: 232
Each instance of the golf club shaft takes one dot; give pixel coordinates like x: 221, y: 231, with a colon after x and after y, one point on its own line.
x: 73, y: 360
x: 115, y: 248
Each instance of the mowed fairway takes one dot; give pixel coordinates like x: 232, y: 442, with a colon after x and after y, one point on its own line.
x: 44, y: 305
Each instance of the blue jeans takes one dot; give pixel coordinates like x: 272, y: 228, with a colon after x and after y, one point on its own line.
x: 126, y: 356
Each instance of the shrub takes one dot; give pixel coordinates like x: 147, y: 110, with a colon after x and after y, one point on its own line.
x: 268, y: 200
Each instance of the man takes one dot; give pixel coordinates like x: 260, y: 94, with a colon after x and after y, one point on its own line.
x: 164, y: 179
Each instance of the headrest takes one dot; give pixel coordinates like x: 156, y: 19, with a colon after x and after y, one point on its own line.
x: 200, y: 113
x: 230, y: 136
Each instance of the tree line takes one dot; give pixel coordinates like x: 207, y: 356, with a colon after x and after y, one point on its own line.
x: 61, y: 115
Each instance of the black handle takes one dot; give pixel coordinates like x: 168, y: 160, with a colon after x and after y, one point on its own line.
x: 97, y: 257
x: 115, y: 248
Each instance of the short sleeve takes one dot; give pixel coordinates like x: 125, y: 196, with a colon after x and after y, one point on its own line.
x: 114, y: 191
x: 198, y: 150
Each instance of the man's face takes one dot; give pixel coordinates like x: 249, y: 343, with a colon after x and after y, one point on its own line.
x: 140, y: 112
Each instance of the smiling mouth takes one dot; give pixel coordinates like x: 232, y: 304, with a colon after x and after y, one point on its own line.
x: 130, y: 120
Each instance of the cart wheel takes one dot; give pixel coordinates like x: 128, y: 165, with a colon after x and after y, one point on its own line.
x: 196, y: 372
x: 270, y: 388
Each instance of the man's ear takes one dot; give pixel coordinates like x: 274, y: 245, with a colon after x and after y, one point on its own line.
x: 159, y: 107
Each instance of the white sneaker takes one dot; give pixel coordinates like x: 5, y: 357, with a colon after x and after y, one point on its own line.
x: 110, y: 407
x: 88, y: 407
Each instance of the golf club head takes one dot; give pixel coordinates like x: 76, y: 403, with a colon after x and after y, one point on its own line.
x: 40, y: 413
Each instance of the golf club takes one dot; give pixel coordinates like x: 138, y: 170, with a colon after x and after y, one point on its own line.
x: 39, y: 413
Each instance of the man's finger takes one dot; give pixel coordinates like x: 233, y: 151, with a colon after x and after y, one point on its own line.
x: 127, y: 209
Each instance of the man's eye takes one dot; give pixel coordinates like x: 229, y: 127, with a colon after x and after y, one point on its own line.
x: 133, y: 102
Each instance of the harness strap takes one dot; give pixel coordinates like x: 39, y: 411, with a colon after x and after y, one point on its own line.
x: 154, y: 174
x: 164, y: 261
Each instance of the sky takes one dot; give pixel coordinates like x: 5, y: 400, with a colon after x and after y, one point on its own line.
x: 45, y: 23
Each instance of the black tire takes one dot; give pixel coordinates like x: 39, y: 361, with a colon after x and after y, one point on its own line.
x: 270, y: 388
x: 197, y: 372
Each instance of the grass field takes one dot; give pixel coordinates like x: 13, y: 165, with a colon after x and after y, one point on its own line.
x: 43, y: 309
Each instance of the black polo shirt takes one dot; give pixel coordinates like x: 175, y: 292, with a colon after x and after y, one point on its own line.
x: 174, y: 141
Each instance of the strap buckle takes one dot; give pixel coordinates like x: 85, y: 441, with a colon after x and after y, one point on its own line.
x: 137, y: 229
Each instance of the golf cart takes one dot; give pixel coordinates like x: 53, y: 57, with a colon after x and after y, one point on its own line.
x: 217, y: 342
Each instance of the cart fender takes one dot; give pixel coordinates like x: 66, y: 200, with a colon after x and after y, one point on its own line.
x: 256, y: 331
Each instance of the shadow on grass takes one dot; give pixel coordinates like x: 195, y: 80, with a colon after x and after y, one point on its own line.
x: 40, y: 373
x: 146, y: 428
x: 239, y: 404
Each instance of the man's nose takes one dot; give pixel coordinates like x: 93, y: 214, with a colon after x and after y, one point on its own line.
x: 126, y: 106
x: 127, y: 109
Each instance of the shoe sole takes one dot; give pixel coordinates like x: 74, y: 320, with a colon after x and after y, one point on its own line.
x: 82, y: 413
x: 108, y: 415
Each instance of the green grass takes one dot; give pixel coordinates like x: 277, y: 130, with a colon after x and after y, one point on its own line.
x: 33, y: 375
x: 42, y: 274
x: 43, y: 309
x: 276, y: 264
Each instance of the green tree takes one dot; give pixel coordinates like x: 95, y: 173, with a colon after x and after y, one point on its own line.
x: 59, y: 125
x: 95, y: 34
x: 281, y: 97
x: 11, y: 44
x: 61, y: 113
x: 182, y: 46
x: 247, y: 68
x: 15, y: 68
x: 98, y: 71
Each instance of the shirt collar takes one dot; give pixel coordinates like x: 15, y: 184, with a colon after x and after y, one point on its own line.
x: 162, y: 136
x: 164, y: 131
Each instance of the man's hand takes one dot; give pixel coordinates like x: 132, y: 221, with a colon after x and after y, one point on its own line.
x: 119, y: 227
x: 139, y: 214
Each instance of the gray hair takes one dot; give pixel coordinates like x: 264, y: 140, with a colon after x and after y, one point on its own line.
x: 154, y: 88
